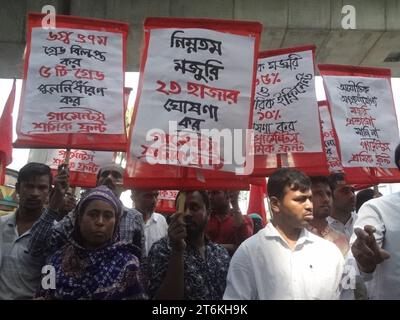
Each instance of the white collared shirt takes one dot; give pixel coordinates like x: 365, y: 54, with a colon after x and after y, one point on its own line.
x: 20, y: 273
x: 155, y: 228
x: 384, y: 214
x: 347, y: 228
x: 264, y: 268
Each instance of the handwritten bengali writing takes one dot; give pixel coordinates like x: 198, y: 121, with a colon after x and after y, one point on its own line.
x: 189, y: 148
x: 260, y: 67
x: 286, y: 96
x: 72, y: 65
x: 330, y: 143
x: 365, y: 131
x: 54, y: 51
x: 72, y: 86
x: 193, y: 123
x: 90, y: 167
x: 291, y: 63
x: 382, y: 159
x: 184, y: 106
x: 363, y: 156
x: 72, y: 100
x: 199, y: 90
x: 167, y: 194
x: 327, y: 134
x: 76, y: 50
x: 77, y: 154
x: 269, y: 78
x: 193, y: 44
x: 359, y: 99
x: 334, y: 163
x: 262, y: 127
x: 282, y: 148
x: 65, y: 37
x: 282, y: 126
x: 360, y: 121
x: 359, y: 111
x: 57, y: 122
x: 71, y: 62
x: 80, y: 51
x: 51, y: 126
x: 62, y: 71
x: 65, y: 127
x: 374, y: 151
x: 90, y: 127
x: 374, y: 145
x: 351, y: 86
x: 286, y: 126
x: 207, y: 71
x: 189, y: 138
x: 276, y: 137
x: 91, y: 115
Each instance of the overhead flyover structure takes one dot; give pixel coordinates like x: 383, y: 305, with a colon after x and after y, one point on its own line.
x: 287, y: 23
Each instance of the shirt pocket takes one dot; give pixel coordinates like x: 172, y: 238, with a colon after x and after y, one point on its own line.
x: 321, y: 283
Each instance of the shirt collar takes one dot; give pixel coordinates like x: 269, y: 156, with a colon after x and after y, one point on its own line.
x: 352, y: 218
x: 154, y: 217
x: 11, y: 219
x: 271, y: 232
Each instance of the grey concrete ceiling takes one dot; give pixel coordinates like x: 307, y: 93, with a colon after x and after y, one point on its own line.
x: 286, y: 23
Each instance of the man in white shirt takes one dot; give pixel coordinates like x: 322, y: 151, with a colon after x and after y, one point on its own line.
x: 155, y: 225
x: 343, y: 213
x: 375, y: 244
x: 284, y: 260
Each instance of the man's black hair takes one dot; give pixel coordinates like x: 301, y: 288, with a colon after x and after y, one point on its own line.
x: 204, y: 196
x: 287, y: 177
x: 34, y: 169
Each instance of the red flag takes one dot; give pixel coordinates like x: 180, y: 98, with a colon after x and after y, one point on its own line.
x: 6, y: 134
x: 256, y: 201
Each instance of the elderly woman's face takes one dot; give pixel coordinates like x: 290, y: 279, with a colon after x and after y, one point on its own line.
x: 97, y: 224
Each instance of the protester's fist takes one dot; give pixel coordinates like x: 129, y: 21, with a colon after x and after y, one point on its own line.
x: 61, y: 186
x: 366, y: 251
x: 69, y: 203
x: 177, y: 232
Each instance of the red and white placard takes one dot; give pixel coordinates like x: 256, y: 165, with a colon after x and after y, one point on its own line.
x: 285, y: 117
x: 73, y: 89
x: 199, y: 74
x: 83, y: 164
x: 363, y: 114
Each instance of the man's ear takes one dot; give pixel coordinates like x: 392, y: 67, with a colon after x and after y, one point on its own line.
x: 275, y: 204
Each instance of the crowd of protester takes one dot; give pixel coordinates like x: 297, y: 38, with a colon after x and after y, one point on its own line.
x: 322, y: 241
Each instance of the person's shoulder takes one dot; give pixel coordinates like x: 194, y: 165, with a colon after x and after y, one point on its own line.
x: 132, y: 213
x: 160, y: 217
x: 7, y: 217
x: 253, y: 242
x: 389, y: 198
x: 379, y: 206
x: 217, y: 248
x: 161, y: 245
